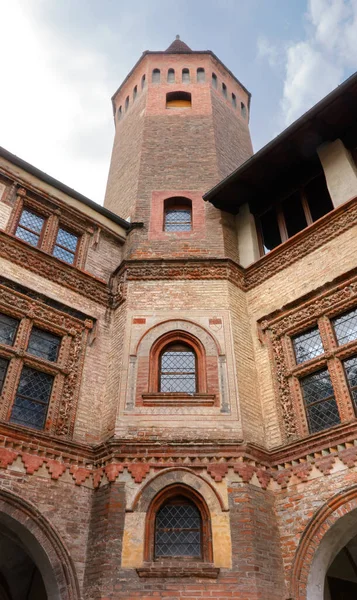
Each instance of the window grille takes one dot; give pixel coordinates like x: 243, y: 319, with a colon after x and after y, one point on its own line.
x: 320, y: 403
x: 178, y: 219
x: 65, y: 246
x: 32, y: 397
x: 3, y: 368
x: 350, y: 366
x: 43, y: 344
x: 8, y: 328
x: 178, y: 531
x: 178, y: 370
x: 30, y: 227
x: 308, y: 345
x: 346, y: 327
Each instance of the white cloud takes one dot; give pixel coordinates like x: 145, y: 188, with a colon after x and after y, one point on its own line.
x: 268, y: 51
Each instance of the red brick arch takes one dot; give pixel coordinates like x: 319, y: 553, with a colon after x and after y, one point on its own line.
x: 329, y: 530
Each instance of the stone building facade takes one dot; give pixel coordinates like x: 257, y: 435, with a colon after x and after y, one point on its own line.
x: 178, y: 368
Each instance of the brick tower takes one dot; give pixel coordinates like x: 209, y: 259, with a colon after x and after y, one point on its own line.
x: 181, y: 120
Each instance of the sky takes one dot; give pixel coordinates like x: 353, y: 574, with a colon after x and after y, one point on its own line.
x: 62, y: 60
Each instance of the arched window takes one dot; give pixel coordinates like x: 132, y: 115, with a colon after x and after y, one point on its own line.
x: 214, y: 81
x: 224, y: 90
x: 178, y: 100
x: 200, y: 75
x: 178, y: 369
x: 126, y: 103
x: 234, y: 101
x: 143, y: 82
x: 185, y: 76
x: 119, y: 113
x: 155, y: 76
x: 171, y: 76
x: 243, y: 110
x: 177, y: 214
x: 178, y: 529
x: 135, y: 92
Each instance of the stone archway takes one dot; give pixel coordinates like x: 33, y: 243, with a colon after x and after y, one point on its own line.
x: 328, y: 533
x: 33, y: 552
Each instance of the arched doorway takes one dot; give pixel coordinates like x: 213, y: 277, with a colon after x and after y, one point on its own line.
x: 341, y: 577
x: 34, y: 564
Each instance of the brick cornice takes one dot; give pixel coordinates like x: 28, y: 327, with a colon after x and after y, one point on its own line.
x: 51, y: 268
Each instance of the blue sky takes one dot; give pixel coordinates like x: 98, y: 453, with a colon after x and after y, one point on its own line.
x: 65, y: 58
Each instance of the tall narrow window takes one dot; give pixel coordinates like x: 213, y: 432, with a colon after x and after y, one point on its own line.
x: 143, y: 82
x: 201, y: 75
x: 224, y: 90
x: 320, y: 404
x: 243, y: 110
x: 234, y: 101
x: 8, y: 328
x: 214, y: 81
x: 126, y: 103
x: 155, y: 76
x: 135, y: 93
x: 30, y: 227
x: 65, y: 246
x: 185, y: 76
x: 178, y: 369
x: 171, y: 76
x: 178, y: 526
x: 119, y: 113
x: 178, y: 214
x: 32, y: 398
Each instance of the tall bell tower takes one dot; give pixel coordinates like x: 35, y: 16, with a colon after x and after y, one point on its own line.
x: 181, y: 126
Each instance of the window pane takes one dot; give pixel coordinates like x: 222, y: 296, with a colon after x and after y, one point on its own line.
x: 31, y: 402
x: 43, y: 344
x: 178, y: 531
x: 31, y: 221
x: 66, y: 239
x: 321, y: 407
x: 350, y: 366
x: 178, y: 220
x: 346, y: 327
x: 27, y: 236
x: 294, y: 215
x: 63, y: 255
x: 270, y: 230
x: 3, y: 368
x: 8, y: 327
x: 318, y: 197
x: 178, y: 371
x: 308, y: 345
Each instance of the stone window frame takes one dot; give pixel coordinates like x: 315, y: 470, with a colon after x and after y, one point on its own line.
x: 168, y: 493
x: 55, y: 218
x: 279, y: 331
x: 66, y: 370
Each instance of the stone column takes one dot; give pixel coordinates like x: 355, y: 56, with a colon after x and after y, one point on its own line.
x: 248, y: 246
x: 340, y: 171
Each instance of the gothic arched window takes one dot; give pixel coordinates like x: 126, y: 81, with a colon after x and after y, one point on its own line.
x: 178, y: 529
x: 177, y: 214
x: 177, y: 367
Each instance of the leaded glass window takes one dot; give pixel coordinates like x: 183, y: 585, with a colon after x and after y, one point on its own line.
x: 308, y: 345
x: 43, y: 344
x: 8, y: 327
x: 346, y: 327
x: 350, y: 366
x: 65, y: 246
x: 178, y: 219
x: 30, y: 227
x: 178, y: 369
x: 3, y: 368
x: 178, y: 530
x: 320, y: 403
x: 32, y: 397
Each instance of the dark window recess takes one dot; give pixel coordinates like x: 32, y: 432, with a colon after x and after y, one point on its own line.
x: 201, y: 75
x: 234, y: 101
x: 350, y: 366
x: 178, y: 531
x: 65, y: 246
x: 143, y: 81
x: 308, y: 345
x: 8, y: 328
x: 135, y: 93
x: 345, y: 327
x: 171, y: 76
x: 185, y: 76
x: 224, y: 90
x: 320, y: 403
x: 178, y: 219
x: 3, y: 368
x: 127, y: 100
x: 178, y: 370
x: 318, y: 197
x: 243, y: 110
x: 294, y: 215
x: 43, y: 344
x: 214, y: 81
x: 178, y: 100
x: 270, y: 230
x: 32, y: 397
x: 30, y: 227
x: 155, y: 76
x: 119, y: 113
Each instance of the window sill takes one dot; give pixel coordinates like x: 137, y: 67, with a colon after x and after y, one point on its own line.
x: 178, y: 568
x: 178, y: 399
